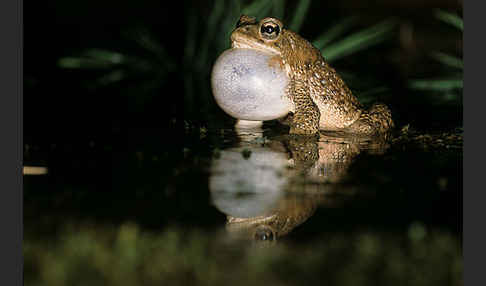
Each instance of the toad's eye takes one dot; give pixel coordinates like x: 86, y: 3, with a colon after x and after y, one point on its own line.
x: 270, y: 31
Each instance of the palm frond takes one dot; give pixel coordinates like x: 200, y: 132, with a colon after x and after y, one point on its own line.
x: 258, y: 8
x: 450, y: 18
x: 359, y: 40
x: 448, y: 60
x: 334, y: 32
x: 445, y: 84
x: 278, y: 9
x: 299, y: 15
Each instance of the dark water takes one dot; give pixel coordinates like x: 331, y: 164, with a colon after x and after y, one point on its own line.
x: 246, y: 185
x: 332, y: 183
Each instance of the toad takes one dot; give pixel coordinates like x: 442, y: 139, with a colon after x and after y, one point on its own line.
x: 320, y: 98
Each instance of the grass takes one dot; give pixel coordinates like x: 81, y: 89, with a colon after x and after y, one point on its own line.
x: 128, y: 255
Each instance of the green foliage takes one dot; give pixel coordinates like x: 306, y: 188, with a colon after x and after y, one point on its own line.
x: 449, y: 85
x: 357, y: 41
x: 448, y: 60
x: 437, y: 84
x: 278, y: 8
x: 334, y: 32
x: 259, y: 8
x: 299, y: 15
x: 206, y: 36
x: 152, y: 60
x: 450, y: 18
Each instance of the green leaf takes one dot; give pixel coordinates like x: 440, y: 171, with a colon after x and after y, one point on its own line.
x: 112, y: 77
x: 450, y: 18
x: 359, y: 41
x: 258, y: 8
x: 449, y: 60
x: 105, y: 55
x: 334, y: 32
x: 299, y: 15
x: 278, y: 9
x: 82, y: 63
x: 437, y: 84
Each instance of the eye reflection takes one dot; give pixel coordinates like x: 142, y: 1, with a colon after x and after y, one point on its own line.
x: 264, y: 234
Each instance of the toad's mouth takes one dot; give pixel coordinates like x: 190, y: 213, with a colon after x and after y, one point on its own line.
x: 242, y: 44
x: 234, y: 222
x: 233, y: 219
x: 245, y: 225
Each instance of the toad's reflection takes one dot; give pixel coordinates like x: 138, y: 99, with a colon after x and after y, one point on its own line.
x: 268, y: 187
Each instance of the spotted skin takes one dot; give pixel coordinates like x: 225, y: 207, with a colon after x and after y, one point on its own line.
x: 321, y: 99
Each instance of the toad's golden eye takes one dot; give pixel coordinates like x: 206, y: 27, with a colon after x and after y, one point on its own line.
x: 270, y: 31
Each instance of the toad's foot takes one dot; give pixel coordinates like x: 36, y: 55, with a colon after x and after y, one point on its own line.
x: 374, y: 122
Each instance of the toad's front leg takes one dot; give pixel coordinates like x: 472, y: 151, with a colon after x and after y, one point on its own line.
x: 305, y: 120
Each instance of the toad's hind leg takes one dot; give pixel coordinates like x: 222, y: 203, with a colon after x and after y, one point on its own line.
x: 375, y: 121
x: 305, y: 119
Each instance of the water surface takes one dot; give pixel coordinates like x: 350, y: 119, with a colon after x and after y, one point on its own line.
x: 245, y: 187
